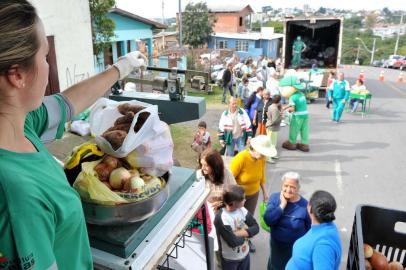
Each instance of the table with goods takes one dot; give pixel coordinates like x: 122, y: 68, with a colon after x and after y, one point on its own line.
x: 136, y: 203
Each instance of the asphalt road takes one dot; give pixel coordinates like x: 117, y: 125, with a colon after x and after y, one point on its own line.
x: 360, y: 160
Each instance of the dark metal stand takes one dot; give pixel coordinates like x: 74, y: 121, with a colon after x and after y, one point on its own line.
x: 180, y: 243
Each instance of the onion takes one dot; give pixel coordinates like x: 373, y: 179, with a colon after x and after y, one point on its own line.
x: 395, y: 266
x: 368, y: 251
x: 137, y: 184
x: 379, y: 261
x: 118, y: 177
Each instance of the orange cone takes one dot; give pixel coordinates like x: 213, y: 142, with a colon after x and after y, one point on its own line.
x: 400, y: 78
x: 381, y: 76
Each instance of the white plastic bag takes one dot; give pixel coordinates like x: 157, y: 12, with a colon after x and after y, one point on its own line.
x: 154, y: 155
x: 103, y: 115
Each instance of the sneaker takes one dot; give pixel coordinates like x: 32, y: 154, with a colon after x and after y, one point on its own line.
x: 275, y: 157
x: 252, y: 246
x: 283, y: 124
x: 270, y: 161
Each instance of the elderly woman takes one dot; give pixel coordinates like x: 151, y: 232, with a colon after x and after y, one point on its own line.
x: 287, y: 216
x: 216, y: 174
x: 320, y: 247
x: 248, y: 168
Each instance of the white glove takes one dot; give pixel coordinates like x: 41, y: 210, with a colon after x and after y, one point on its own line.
x: 127, y: 63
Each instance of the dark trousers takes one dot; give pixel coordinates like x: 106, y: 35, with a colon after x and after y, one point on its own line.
x: 279, y: 255
x: 244, y: 264
x: 251, y: 202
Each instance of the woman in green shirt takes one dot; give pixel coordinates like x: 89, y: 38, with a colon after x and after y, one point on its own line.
x: 41, y: 218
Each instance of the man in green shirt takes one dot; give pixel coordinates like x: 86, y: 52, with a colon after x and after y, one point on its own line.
x: 300, y: 116
x: 298, y: 47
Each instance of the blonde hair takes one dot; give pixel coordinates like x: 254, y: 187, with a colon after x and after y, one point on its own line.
x: 18, y: 34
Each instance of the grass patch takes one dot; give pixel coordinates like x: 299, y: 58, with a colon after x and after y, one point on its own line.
x: 182, y: 137
x: 214, y: 98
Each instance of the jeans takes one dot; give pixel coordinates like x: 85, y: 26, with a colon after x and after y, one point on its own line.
x: 228, y: 87
x: 354, y: 103
x: 239, y: 142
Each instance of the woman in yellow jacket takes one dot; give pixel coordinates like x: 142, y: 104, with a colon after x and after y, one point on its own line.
x: 248, y: 168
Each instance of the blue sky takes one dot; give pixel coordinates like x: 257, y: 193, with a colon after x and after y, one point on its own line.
x: 153, y: 9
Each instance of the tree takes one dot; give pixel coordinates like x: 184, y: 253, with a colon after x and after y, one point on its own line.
x: 102, y: 26
x: 322, y: 10
x: 370, y: 21
x: 277, y: 26
x: 354, y: 22
x: 197, y: 24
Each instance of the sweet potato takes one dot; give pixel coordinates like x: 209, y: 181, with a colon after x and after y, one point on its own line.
x: 123, y: 127
x: 115, y: 138
x: 127, y: 107
x: 126, y: 119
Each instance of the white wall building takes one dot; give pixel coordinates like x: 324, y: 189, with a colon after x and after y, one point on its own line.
x: 389, y: 31
x: 67, y: 22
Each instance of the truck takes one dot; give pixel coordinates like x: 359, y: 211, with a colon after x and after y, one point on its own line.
x: 322, y: 37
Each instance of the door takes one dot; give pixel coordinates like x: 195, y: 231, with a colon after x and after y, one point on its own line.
x: 53, y: 80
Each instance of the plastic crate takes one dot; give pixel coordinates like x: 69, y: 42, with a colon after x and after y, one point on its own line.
x: 376, y: 227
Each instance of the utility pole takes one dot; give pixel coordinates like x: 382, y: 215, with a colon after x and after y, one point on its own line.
x: 180, y: 24
x: 163, y: 14
x: 397, y: 40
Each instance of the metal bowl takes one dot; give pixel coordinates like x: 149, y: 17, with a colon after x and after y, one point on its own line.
x: 126, y: 213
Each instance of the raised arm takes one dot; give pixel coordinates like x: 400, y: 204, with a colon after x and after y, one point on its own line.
x: 85, y: 93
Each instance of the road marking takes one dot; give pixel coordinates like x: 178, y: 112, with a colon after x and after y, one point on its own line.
x: 339, y: 178
x: 402, y: 93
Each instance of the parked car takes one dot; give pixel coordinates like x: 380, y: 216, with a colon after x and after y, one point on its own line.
x: 378, y: 63
x: 209, y: 57
x: 400, y: 63
x: 388, y: 63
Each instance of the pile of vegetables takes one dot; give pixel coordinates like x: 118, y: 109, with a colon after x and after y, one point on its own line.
x: 374, y: 260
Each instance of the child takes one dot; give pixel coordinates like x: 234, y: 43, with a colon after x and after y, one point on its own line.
x: 243, y: 91
x: 273, y: 122
x: 234, y: 225
x: 330, y: 79
x: 201, y: 140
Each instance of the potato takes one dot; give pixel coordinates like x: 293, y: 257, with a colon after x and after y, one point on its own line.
x: 103, y: 171
x: 113, y: 162
x: 126, y: 119
x: 379, y: 261
x: 115, y: 138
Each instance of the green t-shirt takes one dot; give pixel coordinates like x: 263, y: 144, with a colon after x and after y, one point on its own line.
x: 41, y: 218
x: 298, y: 100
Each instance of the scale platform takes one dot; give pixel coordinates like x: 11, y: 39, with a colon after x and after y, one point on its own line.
x: 123, y: 240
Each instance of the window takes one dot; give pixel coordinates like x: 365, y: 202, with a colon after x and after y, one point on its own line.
x: 221, y: 44
x: 241, y: 45
x: 240, y: 21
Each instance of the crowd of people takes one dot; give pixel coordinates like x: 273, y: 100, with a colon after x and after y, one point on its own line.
x: 303, y: 234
